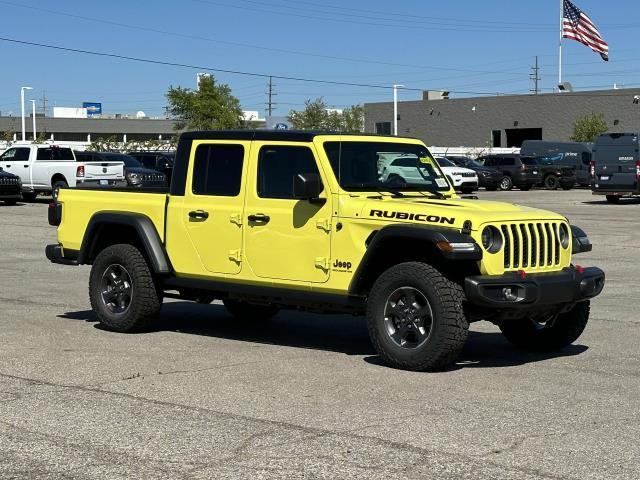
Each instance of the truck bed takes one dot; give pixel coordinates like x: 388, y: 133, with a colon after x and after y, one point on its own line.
x: 79, y: 205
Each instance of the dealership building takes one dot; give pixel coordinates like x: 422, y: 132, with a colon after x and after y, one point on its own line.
x: 503, y: 120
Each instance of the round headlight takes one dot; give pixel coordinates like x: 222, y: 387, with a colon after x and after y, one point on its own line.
x: 563, y: 235
x: 491, y: 239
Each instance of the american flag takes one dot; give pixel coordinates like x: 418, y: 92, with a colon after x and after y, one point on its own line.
x: 578, y: 26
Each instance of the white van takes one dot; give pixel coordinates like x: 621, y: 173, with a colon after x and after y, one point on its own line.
x: 46, y: 168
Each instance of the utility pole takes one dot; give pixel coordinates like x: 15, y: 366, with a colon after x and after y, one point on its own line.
x: 535, y: 76
x: 270, y: 96
x: 43, y: 104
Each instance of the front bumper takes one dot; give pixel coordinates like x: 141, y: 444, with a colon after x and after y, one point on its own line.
x: 538, y: 290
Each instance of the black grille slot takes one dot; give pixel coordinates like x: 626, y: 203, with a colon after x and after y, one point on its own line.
x: 534, y: 245
x: 526, y: 253
x: 556, y: 241
x: 549, y: 243
x: 516, y: 246
x: 507, y: 246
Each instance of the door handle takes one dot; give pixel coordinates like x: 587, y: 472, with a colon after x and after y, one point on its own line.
x: 259, y: 218
x: 26, y: 166
x: 198, y: 214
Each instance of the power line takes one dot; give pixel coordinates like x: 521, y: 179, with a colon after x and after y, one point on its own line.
x: 212, y: 69
x: 236, y: 44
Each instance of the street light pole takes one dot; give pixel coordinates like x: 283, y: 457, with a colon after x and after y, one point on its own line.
x: 395, y: 108
x: 22, y: 89
x: 33, y: 109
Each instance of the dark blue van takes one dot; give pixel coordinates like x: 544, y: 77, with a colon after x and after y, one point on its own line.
x: 571, y: 154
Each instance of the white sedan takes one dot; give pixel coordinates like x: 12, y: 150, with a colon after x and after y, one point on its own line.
x: 463, y: 179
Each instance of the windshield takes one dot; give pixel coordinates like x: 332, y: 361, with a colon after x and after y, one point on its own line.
x: 444, y: 162
x: 382, y: 166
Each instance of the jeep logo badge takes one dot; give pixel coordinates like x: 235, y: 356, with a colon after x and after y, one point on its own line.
x: 104, y: 170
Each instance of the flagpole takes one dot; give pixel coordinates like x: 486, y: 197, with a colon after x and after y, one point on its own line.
x: 560, y: 43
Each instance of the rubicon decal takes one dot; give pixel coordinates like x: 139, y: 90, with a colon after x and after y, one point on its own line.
x: 418, y: 217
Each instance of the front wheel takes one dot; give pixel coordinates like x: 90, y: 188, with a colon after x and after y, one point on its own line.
x: 548, y: 332
x: 122, y: 290
x: 415, y: 317
x: 506, y: 183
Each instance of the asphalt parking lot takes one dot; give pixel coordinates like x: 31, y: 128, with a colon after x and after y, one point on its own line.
x: 304, y: 396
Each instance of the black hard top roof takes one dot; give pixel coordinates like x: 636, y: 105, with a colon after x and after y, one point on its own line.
x: 266, y: 135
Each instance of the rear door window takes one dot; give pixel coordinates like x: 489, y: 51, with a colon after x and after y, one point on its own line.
x: 54, y: 153
x: 217, y: 170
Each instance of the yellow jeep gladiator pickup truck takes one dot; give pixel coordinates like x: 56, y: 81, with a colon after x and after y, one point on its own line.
x: 265, y: 220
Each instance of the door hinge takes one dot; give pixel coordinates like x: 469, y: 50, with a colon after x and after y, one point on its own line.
x: 324, y: 224
x: 236, y: 218
x: 235, y: 255
x: 323, y: 263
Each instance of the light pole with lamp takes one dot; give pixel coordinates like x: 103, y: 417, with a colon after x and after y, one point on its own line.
x: 22, y: 89
x: 33, y: 114
x: 395, y: 109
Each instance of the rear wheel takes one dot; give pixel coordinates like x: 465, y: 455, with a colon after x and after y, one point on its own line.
x: 549, y: 332
x: 56, y: 186
x: 415, y: 317
x: 250, y: 311
x: 551, y: 182
x: 613, y: 199
x: 506, y: 183
x: 122, y: 290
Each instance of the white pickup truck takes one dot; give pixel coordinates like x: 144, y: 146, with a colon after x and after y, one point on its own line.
x: 46, y: 168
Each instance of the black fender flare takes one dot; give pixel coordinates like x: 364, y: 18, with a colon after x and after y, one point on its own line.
x: 423, y: 233
x: 146, y: 231
x: 580, y: 240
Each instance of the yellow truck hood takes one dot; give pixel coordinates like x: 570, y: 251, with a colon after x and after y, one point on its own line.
x: 449, y: 212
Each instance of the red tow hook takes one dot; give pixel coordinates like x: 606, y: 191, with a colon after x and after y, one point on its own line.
x: 580, y: 269
x: 522, y: 274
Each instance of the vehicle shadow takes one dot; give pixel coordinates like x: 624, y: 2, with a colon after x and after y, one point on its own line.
x: 624, y: 201
x: 336, y: 333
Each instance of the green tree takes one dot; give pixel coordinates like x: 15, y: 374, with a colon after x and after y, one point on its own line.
x: 316, y: 115
x: 587, y: 128
x: 210, y: 107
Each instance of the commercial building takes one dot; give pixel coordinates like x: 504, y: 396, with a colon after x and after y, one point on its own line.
x: 503, y: 120
x: 90, y: 129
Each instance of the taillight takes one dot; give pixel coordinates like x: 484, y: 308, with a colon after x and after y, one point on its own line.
x: 593, y: 168
x: 80, y: 171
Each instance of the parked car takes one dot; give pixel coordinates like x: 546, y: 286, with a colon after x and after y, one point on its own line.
x: 46, y: 168
x: 10, y: 187
x: 462, y: 179
x: 136, y: 174
x: 570, y: 154
x: 554, y: 175
x: 517, y: 172
x: 160, y: 161
x: 616, y: 166
x: 488, y: 177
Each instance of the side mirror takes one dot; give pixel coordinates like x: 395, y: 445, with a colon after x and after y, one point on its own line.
x: 307, y: 186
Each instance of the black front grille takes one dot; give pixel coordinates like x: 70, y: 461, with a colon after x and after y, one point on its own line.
x: 534, y: 245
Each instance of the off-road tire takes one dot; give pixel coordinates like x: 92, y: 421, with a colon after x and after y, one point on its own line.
x: 29, y: 196
x: 613, y: 199
x: 551, y: 182
x: 145, y: 302
x: 250, y: 312
x: 506, y: 183
x: 449, y: 328
x: 56, y: 186
x: 565, y: 330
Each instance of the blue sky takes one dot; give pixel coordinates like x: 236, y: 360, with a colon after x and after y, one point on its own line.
x: 465, y: 46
